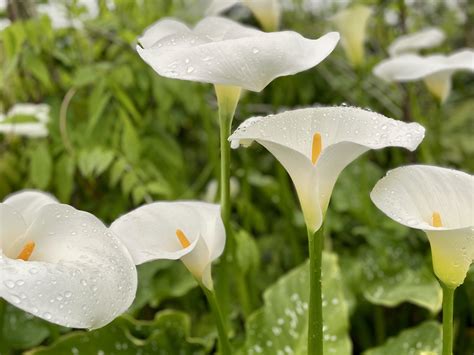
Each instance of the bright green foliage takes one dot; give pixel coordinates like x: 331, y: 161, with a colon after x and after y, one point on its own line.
x: 419, y: 340
x: 281, y: 326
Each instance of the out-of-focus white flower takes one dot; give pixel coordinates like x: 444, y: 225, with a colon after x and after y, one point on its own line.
x: 351, y: 24
x: 60, y: 17
x: 211, y: 192
x: 435, y: 70
x: 62, y: 264
x: 267, y: 12
x: 4, y: 23
x: 413, y: 42
x: 26, y: 120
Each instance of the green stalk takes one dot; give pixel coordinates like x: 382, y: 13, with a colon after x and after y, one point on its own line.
x: 315, y: 322
x: 224, y: 345
x: 227, y: 99
x: 448, y: 305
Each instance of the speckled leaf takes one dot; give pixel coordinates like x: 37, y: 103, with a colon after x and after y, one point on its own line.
x: 421, y: 340
x: 418, y: 286
x: 167, y: 334
x: 281, y: 325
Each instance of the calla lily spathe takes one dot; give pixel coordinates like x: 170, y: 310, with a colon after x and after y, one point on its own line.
x: 351, y: 24
x: 316, y: 144
x: 221, y: 51
x: 267, y: 12
x: 438, y: 201
x: 188, y: 230
x: 62, y: 264
x: 26, y: 120
x: 413, y: 42
x: 435, y: 70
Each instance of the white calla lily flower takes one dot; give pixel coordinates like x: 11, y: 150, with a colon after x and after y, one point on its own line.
x: 440, y: 202
x: 435, y: 70
x: 62, y: 264
x: 413, y: 42
x: 223, y: 52
x: 267, y: 12
x: 188, y: 230
x: 316, y: 144
x: 26, y: 119
x: 351, y: 24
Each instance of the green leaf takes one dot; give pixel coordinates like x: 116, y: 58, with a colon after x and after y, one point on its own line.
x: 281, y: 325
x: 161, y: 280
x: 93, y: 162
x: 248, y: 255
x: 64, y: 177
x: 40, y: 166
x: 36, y: 67
x: 415, y: 341
x: 417, y: 286
x: 22, y: 330
x: 167, y: 334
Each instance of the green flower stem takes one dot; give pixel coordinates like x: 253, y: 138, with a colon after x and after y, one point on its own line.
x: 448, y: 305
x: 315, y: 323
x: 227, y: 99
x: 224, y: 345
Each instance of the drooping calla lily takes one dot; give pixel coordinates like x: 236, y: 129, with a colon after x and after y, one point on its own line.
x: 62, y: 264
x: 413, y: 42
x: 223, y: 52
x: 187, y: 230
x: 435, y: 70
x: 440, y: 202
x: 316, y: 144
x: 351, y: 24
x: 267, y: 12
x: 26, y: 120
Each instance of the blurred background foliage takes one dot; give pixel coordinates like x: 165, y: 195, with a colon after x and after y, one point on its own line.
x: 121, y: 136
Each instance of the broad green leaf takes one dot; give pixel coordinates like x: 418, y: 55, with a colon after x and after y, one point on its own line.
x: 21, y: 330
x: 40, y: 166
x: 281, y: 325
x: 167, y: 334
x: 417, y: 286
x: 248, y: 255
x: 419, y: 340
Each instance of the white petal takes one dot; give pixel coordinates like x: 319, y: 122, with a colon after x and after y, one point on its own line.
x: 34, y: 130
x: 352, y: 23
x: 411, y: 67
x: 346, y: 133
x: 79, y: 275
x: 439, y: 84
x: 39, y: 111
x: 29, y: 202
x: 427, y: 38
x: 411, y: 194
x: 12, y: 226
x: 219, y: 51
x: 453, y: 253
x: 160, y: 30
x: 149, y: 232
x: 213, y: 232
